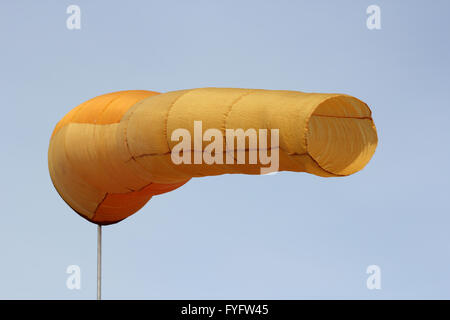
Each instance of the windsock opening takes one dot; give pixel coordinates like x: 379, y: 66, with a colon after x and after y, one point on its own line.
x: 341, y: 135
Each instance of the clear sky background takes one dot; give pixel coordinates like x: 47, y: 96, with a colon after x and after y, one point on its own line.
x: 285, y: 236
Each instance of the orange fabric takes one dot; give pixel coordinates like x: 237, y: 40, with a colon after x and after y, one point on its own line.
x: 111, y: 208
x: 105, y: 109
x: 109, y: 109
x: 111, y: 154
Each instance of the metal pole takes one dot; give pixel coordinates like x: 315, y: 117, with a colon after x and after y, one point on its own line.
x: 99, y: 262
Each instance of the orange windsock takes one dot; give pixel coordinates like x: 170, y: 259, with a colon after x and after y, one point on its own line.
x: 110, y: 155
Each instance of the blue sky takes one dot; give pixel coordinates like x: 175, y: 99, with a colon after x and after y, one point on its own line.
x: 286, y: 236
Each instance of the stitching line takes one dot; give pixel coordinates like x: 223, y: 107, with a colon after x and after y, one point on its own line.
x: 168, y: 114
x: 340, y: 117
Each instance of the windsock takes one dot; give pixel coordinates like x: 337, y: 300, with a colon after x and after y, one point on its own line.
x: 108, y: 156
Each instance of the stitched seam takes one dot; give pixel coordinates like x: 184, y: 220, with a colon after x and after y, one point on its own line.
x: 168, y: 114
x: 234, y: 150
x: 340, y: 117
x: 118, y: 193
x: 228, y: 114
x: 230, y: 108
x: 71, y: 164
x: 106, y: 194
x: 126, y: 126
x: 106, y: 107
x: 334, y: 174
x: 98, y: 206
x: 126, y: 136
